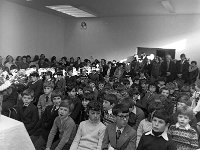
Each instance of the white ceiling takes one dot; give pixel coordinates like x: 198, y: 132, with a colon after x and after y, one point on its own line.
x: 116, y: 8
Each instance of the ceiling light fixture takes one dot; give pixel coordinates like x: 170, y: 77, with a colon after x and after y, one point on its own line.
x: 168, y: 6
x: 70, y: 10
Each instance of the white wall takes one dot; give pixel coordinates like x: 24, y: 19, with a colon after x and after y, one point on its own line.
x: 118, y: 38
x: 27, y: 31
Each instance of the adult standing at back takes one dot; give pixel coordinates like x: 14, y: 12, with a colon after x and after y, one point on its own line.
x: 182, y: 67
x: 168, y: 69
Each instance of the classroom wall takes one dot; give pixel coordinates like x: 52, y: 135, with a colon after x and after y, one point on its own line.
x: 118, y: 38
x: 27, y: 31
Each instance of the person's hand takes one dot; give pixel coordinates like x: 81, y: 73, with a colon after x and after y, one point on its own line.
x: 47, y: 148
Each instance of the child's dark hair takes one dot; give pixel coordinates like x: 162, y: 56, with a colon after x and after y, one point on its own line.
x: 164, y: 88
x: 34, y: 74
x: 128, y: 102
x: 187, y: 111
x: 94, y: 105
x: 48, y: 84
x: 56, y: 93
x: 120, y: 108
x: 28, y: 92
x: 184, y: 98
x: 132, y: 92
x: 194, y: 62
x: 68, y: 104
x: 151, y: 84
x: 49, y: 73
x: 89, y: 96
x: 112, y: 98
x: 162, y: 114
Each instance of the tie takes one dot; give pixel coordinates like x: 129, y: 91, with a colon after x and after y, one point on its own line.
x: 118, y: 133
x: 47, y: 98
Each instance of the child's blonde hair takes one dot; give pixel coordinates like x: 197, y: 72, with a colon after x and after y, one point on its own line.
x: 187, y: 111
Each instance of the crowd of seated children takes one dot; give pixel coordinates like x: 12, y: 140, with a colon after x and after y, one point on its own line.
x: 118, y: 107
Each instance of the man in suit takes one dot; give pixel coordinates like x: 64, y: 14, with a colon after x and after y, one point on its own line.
x: 119, y: 135
x: 182, y: 67
x: 168, y: 69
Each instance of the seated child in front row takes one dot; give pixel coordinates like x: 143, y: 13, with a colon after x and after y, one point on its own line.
x: 90, y: 132
x: 120, y: 135
x: 44, y: 125
x: 66, y: 127
x: 27, y: 112
x: 45, y: 99
x: 184, y: 136
x: 109, y: 101
x: 157, y: 138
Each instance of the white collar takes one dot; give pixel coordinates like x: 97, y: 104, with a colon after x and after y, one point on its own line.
x: 110, y: 111
x: 122, y: 129
x: 163, y: 135
x: 134, y: 110
x: 187, y: 127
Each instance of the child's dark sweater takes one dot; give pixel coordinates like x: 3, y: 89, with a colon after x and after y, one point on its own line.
x: 45, y: 124
x: 151, y: 142
x: 28, y: 115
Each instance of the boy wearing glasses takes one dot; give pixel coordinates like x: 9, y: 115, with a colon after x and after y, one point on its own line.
x: 119, y: 135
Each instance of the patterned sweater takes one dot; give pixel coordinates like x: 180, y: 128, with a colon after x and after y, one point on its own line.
x: 185, y: 139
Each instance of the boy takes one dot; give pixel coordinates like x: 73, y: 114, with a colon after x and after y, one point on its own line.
x: 157, y: 138
x: 184, y: 136
x: 36, y: 85
x: 145, y: 101
x: 90, y: 132
x: 75, y: 114
x: 136, y: 115
x: 45, y: 124
x: 27, y: 112
x: 109, y: 101
x: 66, y: 127
x: 45, y: 99
x: 119, y: 135
x: 87, y: 97
x: 160, y: 84
x: 60, y: 83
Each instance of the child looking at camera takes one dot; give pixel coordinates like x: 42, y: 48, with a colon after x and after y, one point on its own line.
x: 66, y: 127
x: 184, y: 136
